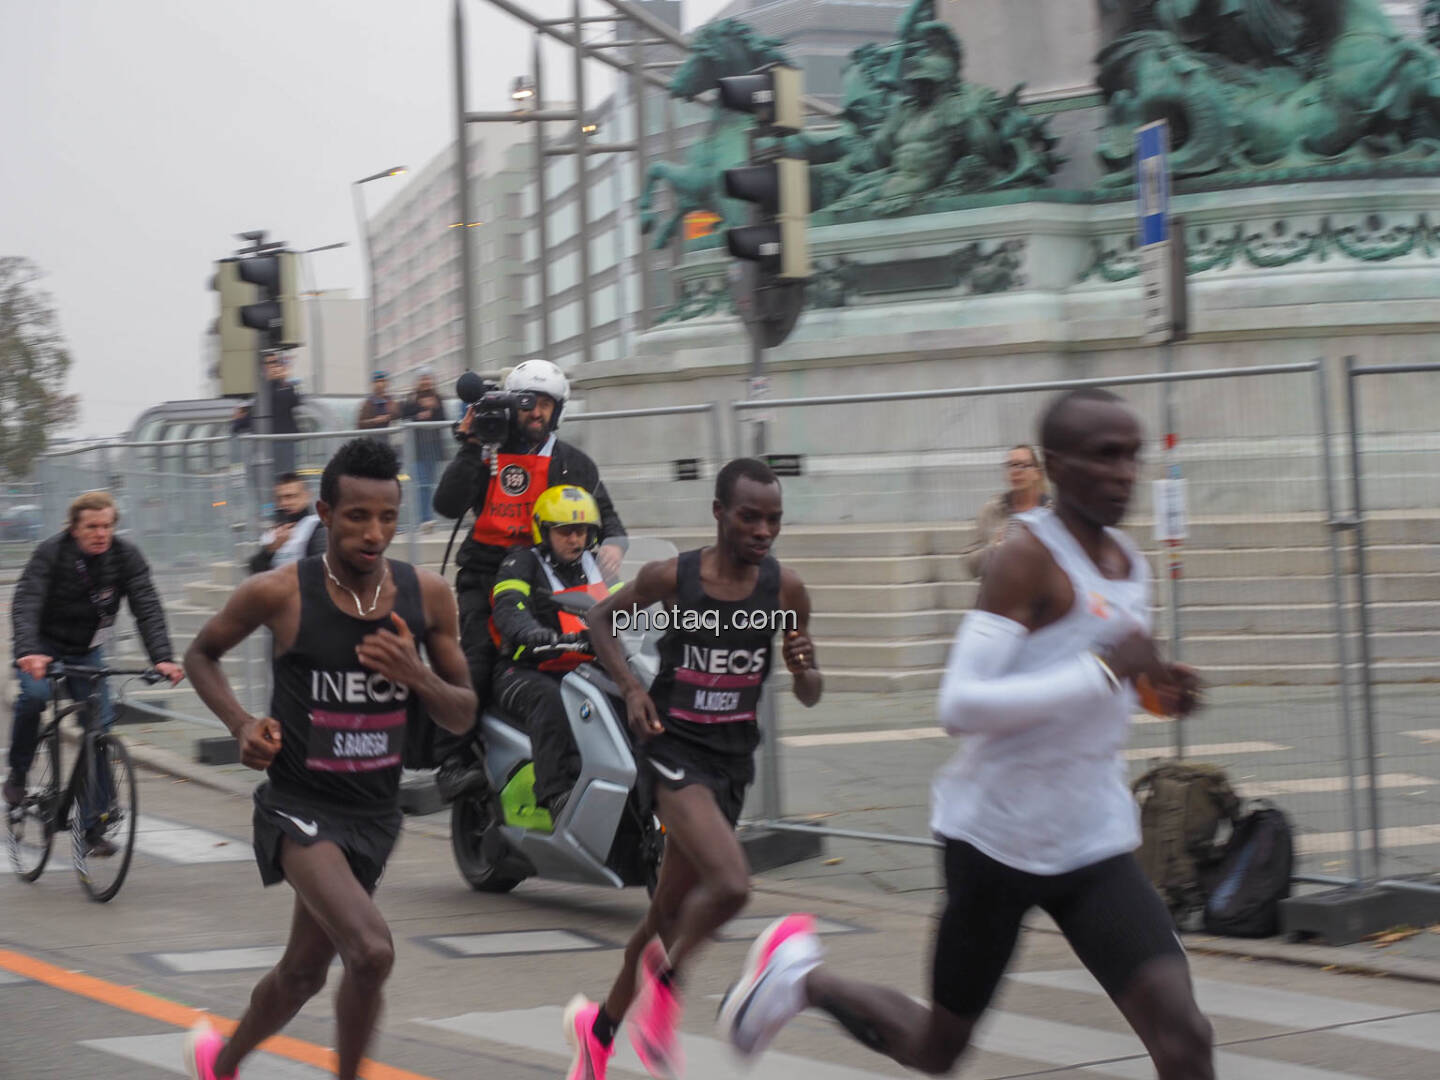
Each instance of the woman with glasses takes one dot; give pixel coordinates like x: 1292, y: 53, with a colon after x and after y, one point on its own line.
x: 1026, y: 491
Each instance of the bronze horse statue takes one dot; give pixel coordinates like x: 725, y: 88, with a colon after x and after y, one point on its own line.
x: 719, y: 49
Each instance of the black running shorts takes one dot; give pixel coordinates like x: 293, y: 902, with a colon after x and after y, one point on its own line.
x: 366, y: 837
x: 1109, y: 912
x: 676, y: 763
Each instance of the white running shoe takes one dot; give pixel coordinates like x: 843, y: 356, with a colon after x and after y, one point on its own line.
x: 771, y: 989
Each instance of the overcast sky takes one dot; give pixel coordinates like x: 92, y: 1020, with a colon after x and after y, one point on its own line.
x: 137, y: 137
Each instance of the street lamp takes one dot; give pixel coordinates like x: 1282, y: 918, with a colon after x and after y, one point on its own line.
x: 317, y: 363
x: 522, y: 92
x: 363, y: 229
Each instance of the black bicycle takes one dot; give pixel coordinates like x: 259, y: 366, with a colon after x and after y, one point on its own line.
x: 99, y: 804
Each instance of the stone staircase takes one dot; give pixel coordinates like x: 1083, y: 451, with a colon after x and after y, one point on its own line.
x: 1256, y: 599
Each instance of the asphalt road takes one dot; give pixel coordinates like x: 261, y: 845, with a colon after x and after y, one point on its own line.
x: 480, y: 980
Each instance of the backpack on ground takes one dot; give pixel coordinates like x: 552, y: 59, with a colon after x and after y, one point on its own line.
x: 1244, y: 890
x: 1182, y: 807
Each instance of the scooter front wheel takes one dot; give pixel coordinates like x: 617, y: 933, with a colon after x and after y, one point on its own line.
x: 471, y: 816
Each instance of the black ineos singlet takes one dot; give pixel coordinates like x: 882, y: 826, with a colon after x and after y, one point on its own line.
x: 342, y: 726
x: 709, y: 682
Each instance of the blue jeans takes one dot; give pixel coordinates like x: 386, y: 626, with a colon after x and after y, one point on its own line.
x: 424, y: 488
x: 35, y: 695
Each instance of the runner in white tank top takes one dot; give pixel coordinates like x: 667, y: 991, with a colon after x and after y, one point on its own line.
x: 1052, y: 796
x: 1034, y: 810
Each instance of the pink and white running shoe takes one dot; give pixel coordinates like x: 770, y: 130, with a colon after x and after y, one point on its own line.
x: 592, y: 1057
x: 771, y: 989
x: 655, y: 1020
x: 202, y: 1046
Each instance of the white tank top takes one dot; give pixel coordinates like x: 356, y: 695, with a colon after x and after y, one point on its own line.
x: 1054, y: 797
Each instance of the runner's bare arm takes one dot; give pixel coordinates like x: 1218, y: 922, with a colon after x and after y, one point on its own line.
x: 656, y: 583
x: 444, y: 685
x: 1015, y: 579
x: 799, y: 650
x: 258, y: 602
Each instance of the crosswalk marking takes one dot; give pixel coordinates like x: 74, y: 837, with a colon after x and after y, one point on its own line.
x: 1281, y: 1008
x: 1012, y: 1034
x: 1425, y: 735
x: 174, y: 842
x: 1390, y: 837
x: 512, y: 942
x: 1143, y: 753
x: 165, y: 1052
x: 884, y: 735
x: 187, y: 963
x: 541, y: 1029
x: 750, y: 927
x: 1054, y: 1043
x: 1265, y: 789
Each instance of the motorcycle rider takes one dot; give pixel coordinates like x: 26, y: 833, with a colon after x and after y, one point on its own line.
x: 502, y: 494
x: 565, y: 526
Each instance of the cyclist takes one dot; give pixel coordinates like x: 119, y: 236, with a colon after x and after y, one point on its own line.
x: 64, y: 609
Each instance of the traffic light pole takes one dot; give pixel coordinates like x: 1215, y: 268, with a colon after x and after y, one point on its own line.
x: 463, y: 194
x: 260, y: 411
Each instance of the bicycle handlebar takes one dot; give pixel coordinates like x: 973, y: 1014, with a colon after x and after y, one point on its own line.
x: 59, y: 669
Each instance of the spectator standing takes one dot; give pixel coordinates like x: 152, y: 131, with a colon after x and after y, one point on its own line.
x: 379, y: 410
x: 425, y: 406
x: 1026, y: 492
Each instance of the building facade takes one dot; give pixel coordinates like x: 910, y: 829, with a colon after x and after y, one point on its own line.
x: 415, y: 250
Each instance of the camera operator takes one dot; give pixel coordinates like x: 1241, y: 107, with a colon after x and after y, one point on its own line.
x: 528, y: 460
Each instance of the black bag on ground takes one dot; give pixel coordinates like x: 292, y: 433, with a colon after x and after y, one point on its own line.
x: 1182, y: 807
x: 1244, y: 890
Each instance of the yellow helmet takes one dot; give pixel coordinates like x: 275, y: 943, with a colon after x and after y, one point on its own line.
x: 565, y: 504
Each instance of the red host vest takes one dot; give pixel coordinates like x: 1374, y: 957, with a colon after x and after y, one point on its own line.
x: 516, y: 481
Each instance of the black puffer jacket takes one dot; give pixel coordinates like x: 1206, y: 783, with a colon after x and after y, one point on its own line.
x: 52, y: 613
x: 466, y: 480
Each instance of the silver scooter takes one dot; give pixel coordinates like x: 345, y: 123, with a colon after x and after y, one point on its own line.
x: 603, y: 835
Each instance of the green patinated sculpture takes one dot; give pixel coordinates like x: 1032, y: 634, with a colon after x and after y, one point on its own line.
x: 1256, y: 85
x: 915, y: 135
x: 718, y: 49
x: 912, y: 133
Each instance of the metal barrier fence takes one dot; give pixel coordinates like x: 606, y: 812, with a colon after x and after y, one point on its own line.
x: 197, y: 508
x: 1262, y: 595
x: 1392, y: 459
x: 1262, y: 607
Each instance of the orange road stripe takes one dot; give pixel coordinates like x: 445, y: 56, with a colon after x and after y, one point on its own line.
x: 155, y: 1008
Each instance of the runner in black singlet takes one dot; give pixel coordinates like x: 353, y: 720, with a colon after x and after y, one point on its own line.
x: 697, y: 732
x: 349, y: 679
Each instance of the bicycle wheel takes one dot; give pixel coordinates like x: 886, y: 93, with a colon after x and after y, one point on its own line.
x: 103, y: 849
x: 31, y: 825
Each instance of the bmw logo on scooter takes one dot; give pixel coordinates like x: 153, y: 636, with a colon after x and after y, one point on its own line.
x: 584, y: 710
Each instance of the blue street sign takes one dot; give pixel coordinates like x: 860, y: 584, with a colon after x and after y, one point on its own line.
x: 1152, y: 182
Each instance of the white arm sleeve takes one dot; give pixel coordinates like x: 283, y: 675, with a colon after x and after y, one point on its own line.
x: 977, y: 696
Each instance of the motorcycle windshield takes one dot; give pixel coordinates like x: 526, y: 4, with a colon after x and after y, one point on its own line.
x: 638, y: 637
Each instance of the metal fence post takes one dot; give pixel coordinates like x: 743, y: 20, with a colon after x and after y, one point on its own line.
x: 1334, y: 524
x: 770, y: 760
x: 411, y: 444
x: 1367, y: 696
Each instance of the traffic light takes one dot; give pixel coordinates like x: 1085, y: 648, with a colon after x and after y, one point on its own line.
x: 773, y: 249
x: 237, y: 342
x: 781, y: 189
x: 276, y: 314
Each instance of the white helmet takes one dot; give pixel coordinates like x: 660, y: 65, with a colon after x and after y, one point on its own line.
x: 541, y: 377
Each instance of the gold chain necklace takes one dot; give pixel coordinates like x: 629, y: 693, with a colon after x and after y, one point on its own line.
x: 374, y: 603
